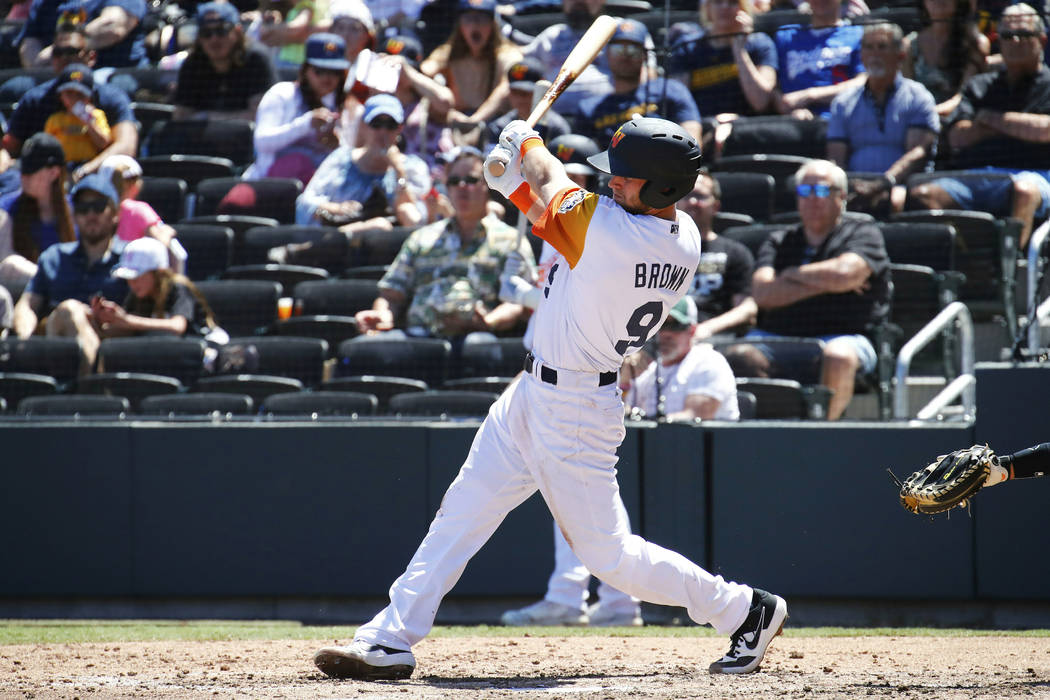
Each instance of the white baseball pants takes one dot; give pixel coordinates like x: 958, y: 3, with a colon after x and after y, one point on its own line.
x: 561, y: 440
x: 570, y: 581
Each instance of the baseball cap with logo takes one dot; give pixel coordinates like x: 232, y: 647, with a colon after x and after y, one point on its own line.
x: 223, y: 11
x: 76, y: 76
x: 327, y: 51
x: 97, y: 183
x: 684, y: 311
x: 403, y: 45
x: 486, y: 6
x: 40, y: 151
x: 631, y: 30
x: 378, y: 105
x: 140, y: 256
x: 523, y: 74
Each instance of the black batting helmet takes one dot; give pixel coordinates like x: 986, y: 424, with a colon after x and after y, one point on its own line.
x: 656, y: 150
x: 573, y: 150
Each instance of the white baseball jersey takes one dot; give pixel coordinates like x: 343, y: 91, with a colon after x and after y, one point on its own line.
x: 620, y: 275
x: 703, y: 371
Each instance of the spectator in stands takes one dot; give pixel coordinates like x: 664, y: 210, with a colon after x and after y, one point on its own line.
x: 70, y: 46
x: 729, y: 68
x: 38, y: 215
x: 295, y: 125
x: 78, y: 124
x: 223, y: 77
x: 1002, y: 125
x: 888, y: 124
x: 946, y: 52
x: 816, y: 62
x: 722, y: 283
x: 34, y: 108
x: 368, y: 182
x: 159, y: 301
x: 474, y: 62
x: 113, y: 28
x: 285, y: 27
x: 426, y: 132
x: 352, y: 20
x: 522, y: 77
x: 633, y: 91
x: 137, y: 218
x: 446, y: 278
x: 70, y: 274
x: 397, y: 14
x: 826, y: 278
x: 552, y: 46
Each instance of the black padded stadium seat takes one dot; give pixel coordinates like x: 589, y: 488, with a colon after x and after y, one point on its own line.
x: 197, y: 404
x: 242, y: 307
x: 746, y: 404
x: 752, y: 236
x: 39, y: 74
x: 907, y: 18
x: 415, y: 358
x: 222, y: 138
x: 724, y: 219
x: 779, y: 135
x: 443, y: 403
x: 339, y: 297
x: 150, y: 116
x: 383, y: 388
x: 379, y: 247
x: 332, y: 329
x: 932, y: 245
x: 747, y: 193
x: 296, y: 358
x: 75, y: 405
x: 919, y: 294
x: 155, y: 85
x: 286, y: 275
x: 781, y: 167
x: 503, y: 357
x: 257, y: 242
x: 799, y: 359
x: 134, y: 386
x: 55, y: 357
x: 239, y: 224
x: 365, y: 272
x: 321, y: 403
x: 770, y: 22
x: 268, y: 197
x: 792, y: 218
x: 776, y: 398
x: 258, y: 386
x: 209, y: 247
x: 191, y: 168
x: 181, y: 358
x: 487, y: 384
x: 15, y: 386
x: 167, y: 196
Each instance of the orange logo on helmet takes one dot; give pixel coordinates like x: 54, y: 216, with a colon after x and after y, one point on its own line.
x: 564, y: 153
x: 617, y: 137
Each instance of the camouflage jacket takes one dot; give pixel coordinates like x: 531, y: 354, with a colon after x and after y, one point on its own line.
x: 440, y: 276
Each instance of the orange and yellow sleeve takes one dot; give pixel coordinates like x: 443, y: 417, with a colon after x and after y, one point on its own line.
x: 565, y: 221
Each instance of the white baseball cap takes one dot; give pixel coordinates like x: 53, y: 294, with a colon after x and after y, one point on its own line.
x: 141, y: 256
x: 130, y: 165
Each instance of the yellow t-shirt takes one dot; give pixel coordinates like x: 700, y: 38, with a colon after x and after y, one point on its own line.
x: 73, y: 134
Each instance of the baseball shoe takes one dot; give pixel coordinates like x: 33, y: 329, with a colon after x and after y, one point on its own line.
x: 544, y: 613
x: 605, y: 616
x: 365, y: 661
x: 748, y: 644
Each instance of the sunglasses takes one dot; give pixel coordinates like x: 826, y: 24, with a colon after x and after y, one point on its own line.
x: 90, y: 206
x: 822, y: 191
x: 628, y: 50
x: 209, y: 32
x: 66, y: 51
x: 1018, y: 34
x: 384, y: 123
x: 456, y: 180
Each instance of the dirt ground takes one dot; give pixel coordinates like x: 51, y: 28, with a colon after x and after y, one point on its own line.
x: 609, y: 668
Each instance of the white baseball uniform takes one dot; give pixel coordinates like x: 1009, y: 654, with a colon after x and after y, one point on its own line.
x: 557, y: 427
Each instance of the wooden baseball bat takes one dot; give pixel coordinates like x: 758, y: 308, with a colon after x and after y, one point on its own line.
x: 581, y: 56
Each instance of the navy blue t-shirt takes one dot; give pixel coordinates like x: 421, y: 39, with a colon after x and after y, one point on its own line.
x: 63, y: 273
x: 130, y: 51
x: 600, y: 116
x: 712, y: 75
x: 42, y: 101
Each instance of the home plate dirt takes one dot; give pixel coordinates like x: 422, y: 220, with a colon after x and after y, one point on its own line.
x: 541, y: 667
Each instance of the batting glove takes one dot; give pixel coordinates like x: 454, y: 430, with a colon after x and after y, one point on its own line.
x: 515, y: 266
x: 516, y: 290
x: 517, y: 134
x: 511, y: 179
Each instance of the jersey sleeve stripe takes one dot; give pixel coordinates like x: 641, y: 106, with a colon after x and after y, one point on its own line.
x: 565, y: 221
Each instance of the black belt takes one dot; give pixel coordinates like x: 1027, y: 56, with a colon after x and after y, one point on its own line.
x: 550, y: 375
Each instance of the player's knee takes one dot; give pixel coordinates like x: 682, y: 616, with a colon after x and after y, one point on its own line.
x: 608, y: 557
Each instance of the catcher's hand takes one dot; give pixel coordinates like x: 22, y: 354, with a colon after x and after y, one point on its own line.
x: 951, y: 480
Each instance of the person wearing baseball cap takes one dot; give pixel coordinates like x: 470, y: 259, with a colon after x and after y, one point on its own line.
x: 69, y: 274
x: 296, y: 121
x: 522, y: 76
x: 352, y: 20
x: 222, y: 74
x: 80, y: 126
x: 632, y: 92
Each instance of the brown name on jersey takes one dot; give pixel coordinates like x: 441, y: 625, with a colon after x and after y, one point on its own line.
x: 660, y: 276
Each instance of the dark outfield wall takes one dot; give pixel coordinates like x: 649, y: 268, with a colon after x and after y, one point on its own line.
x: 158, y: 510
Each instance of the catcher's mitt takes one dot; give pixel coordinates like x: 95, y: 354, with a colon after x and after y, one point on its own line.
x: 949, y: 481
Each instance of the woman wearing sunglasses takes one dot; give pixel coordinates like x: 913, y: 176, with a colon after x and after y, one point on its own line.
x: 222, y: 77
x: 295, y: 125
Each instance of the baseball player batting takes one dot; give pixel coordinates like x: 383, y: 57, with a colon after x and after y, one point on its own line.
x: 622, y: 263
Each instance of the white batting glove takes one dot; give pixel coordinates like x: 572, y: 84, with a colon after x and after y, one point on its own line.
x: 517, y: 290
x: 515, y: 266
x: 511, y: 178
x: 516, y: 133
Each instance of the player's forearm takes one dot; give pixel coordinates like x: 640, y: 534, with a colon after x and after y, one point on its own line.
x: 545, y: 174
x: 1031, y: 462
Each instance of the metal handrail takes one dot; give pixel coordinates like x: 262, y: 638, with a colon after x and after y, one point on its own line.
x: 1035, y: 250
x: 964, y: 384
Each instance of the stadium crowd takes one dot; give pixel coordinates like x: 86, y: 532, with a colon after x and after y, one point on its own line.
x: 294, y: 144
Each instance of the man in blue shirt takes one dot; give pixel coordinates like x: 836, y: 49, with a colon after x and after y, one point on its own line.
x: 600, y: 116
x: 817, y: 62
x: 69, y: 274
x: 113, y: 28
x: 889, y: 124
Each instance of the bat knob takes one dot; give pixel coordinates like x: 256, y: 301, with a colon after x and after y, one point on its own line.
x: 496, y: 167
